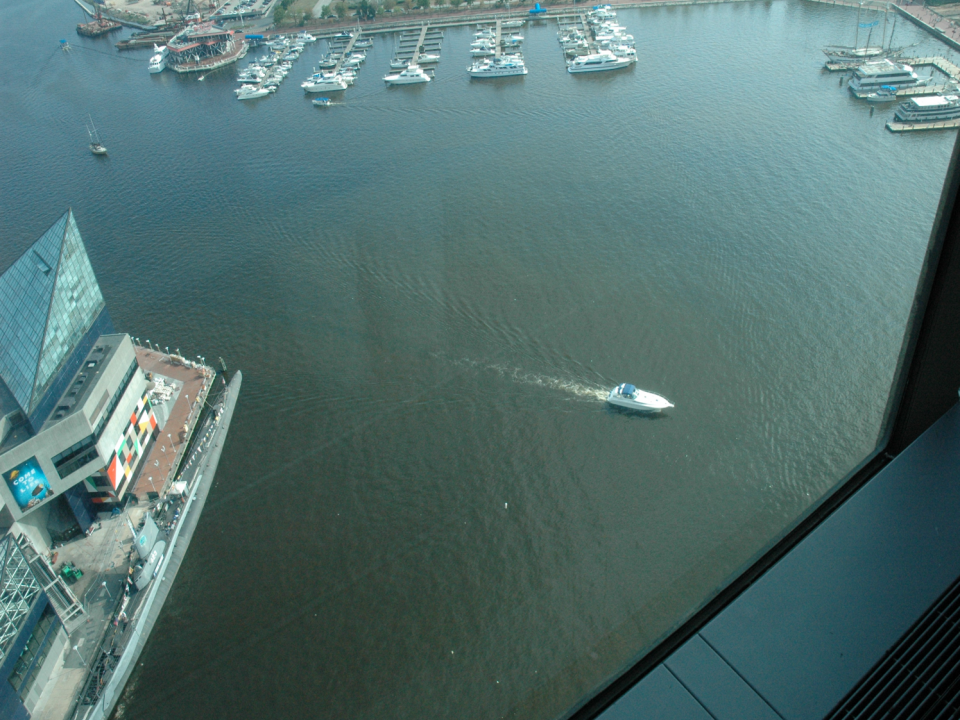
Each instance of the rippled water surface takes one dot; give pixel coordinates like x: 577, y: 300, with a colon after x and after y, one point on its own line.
x: 425, y: 509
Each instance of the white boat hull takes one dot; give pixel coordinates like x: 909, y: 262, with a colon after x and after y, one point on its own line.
x: 638, y: 400
x: 601, y: 67
x: 397, y: 80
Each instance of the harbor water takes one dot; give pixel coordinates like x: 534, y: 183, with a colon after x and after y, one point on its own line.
x: 424, y: 508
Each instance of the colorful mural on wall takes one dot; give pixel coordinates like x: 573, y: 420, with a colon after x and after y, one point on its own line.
x: 129, y: 448
x: 28, y: 484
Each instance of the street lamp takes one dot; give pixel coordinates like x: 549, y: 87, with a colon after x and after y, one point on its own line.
x: 77, y: 648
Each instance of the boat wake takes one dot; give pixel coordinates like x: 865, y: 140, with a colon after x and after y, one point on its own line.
x: 578, y: 389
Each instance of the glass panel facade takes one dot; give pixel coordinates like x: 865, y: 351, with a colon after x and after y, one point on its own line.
x: 75, y: 305
x: 25, y: 291
x: 48, y: 299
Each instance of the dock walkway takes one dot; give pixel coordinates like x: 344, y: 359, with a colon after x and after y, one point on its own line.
x: 423, y: 39
x: 898, y: 127
x: 346, y: 51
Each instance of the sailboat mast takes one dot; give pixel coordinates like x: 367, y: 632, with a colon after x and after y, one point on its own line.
x: 856, y: 42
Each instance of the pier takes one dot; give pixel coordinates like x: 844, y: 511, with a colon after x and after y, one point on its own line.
x: 898, y: 127
x: 345, y: 53
x: 498, y: 33
x: 416, y: 41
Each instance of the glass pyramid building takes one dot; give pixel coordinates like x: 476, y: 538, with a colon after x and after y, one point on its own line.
x: 49, y: 301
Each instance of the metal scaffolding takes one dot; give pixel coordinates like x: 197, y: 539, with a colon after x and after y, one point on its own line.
x: 18, y: 591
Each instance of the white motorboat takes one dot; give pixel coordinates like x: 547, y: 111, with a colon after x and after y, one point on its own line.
x: 936, y: 108
x: 249, y: 92
x: 364, y: 43
x: 323, y: 102
x: 412, y: 75
x: 398, y: 64
x: 886, y: 93
x: 483, y: 52
x: 504, y: 66
x: 512, y: 23
x: 627, y: 396
x: 603, y: 60
x: 428, y: 58
x: 326, y: 82
x: 159, y: 59
x: 305, y: 37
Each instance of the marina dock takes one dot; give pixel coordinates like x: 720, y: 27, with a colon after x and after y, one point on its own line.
x: 417, y: 41
x: 898, y: 127
x: 345, y: 52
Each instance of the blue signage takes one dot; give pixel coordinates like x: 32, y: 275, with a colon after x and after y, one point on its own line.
x: 28, y: 484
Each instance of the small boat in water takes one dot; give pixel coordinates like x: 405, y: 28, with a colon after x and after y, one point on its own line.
x: 249, y: 92
x: 504, y: 66
x: 329, y: 82
x: 158, y: 62
x: 628, y: 396
x: 96, y: 147
x: 412, y: 75
x: 886, y: 93
x: 322, y: 102
x: 603, y: 60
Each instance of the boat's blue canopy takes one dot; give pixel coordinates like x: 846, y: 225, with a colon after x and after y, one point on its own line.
x: 628, y: 389
x: 537, y: 9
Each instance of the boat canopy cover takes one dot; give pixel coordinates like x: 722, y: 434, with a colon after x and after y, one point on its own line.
x: 628, y: 389
x: 888, y: 87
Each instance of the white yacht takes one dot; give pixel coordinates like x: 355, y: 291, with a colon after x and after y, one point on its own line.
x: 603, y: 60
x: 627, y: 396
x: 935, y: 108
x: 504, y: 66
x: 398, y: 64
x: 364, y: 43
x: 602, y: 13
x: 412, y: 75
x: 324, y: 82
x: 249, y: 92
x: 481, y: 52
x: 871, y: 76
x: 305, y: 37
x: 159, y: 60
x: 512, y: 23
x: 428, y: 58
